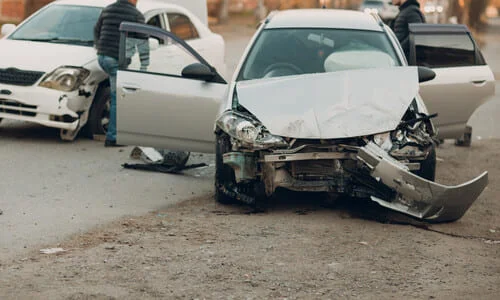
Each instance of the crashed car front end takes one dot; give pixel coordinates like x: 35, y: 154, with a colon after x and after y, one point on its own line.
x: 393, y: 168
x: 58, y: 99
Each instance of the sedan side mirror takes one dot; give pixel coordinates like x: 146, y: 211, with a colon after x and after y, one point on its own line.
x: 7, y: 29
x: 425, y: 74
x: 198, y: 71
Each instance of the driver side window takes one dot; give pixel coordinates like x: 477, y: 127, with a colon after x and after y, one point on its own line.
x: 143, y: 56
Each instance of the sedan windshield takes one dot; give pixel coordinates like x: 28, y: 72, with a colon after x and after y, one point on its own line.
x: 283, y: 52
x: 66, y: 24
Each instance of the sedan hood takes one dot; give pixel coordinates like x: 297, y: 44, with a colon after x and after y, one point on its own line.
x: 331, y: 105
x: 43, y: 57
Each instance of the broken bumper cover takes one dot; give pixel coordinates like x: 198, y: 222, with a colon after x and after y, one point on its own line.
x: 51, y: 108
x: 417, y: 196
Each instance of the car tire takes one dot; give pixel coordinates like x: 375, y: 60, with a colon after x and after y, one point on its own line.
x: 428, y: 166
x: 99, y: 113
x: 224, y: 174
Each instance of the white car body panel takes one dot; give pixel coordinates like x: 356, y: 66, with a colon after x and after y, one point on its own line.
x: 328, y: 18
x: 46, y: 57
x: 455, y: 94
x: 145, y: 99
x: 327, y: 105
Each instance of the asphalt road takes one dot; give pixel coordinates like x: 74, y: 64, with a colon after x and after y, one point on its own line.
x: 51, y: 189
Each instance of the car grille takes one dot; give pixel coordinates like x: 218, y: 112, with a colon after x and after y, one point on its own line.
x: 314, y: 169
x: 19, y: 77
x: 16, y: 108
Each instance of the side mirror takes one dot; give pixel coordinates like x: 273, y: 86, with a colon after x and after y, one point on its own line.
x: 198, y: 71
x: 153, y: 44
x: 7, y: 29
x: 425, y: 74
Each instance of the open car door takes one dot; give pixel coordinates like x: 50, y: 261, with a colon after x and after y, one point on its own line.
x: 463, y: 79
x: 168, y: 96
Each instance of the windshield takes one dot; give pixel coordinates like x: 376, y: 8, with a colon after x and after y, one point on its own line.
x: 282, y: 52
x: 60, y: 24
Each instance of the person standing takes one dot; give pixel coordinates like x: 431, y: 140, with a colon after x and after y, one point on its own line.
x: 409, y: 12
x: 107, y: 42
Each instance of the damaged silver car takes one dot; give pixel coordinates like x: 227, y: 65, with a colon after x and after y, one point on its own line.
x: 322, y: 101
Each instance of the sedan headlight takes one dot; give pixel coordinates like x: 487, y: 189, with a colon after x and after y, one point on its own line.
x: 65, y: 79
x: 248, y: 131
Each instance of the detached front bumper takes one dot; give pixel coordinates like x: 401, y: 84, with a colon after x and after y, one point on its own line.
x: 398, y: 189
x: 417, y: 196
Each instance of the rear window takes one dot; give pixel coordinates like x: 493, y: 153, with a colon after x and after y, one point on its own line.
x: 181, y: 26
x: 444, y: 50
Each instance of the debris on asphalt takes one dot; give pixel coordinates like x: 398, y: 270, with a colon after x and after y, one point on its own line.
x: 363, y: 243
x: 147, y: 154
x: 491, y: 230
x: 52, y: 250
x: 162, y: 168
x: 161, y: 160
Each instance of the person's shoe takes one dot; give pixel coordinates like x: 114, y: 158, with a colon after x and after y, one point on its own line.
x: 109, y: 143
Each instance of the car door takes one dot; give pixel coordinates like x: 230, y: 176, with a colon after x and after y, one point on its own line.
x: 463, y: 79
x: 157, y: 105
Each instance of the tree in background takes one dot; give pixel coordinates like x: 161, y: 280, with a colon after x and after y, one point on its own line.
x: 469, y: 12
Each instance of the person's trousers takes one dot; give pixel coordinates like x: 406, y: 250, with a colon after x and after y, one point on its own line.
x: 110, y: 66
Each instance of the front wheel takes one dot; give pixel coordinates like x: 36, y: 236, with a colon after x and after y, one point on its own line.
x: 99, y: 113
x: 428, y: 166
x: 224, y: 174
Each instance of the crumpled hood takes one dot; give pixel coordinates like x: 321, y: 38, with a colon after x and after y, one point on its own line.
x: 331, y: 105
x: 42, y: 57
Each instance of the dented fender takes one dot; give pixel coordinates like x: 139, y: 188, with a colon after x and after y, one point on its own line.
x: 417, y: 196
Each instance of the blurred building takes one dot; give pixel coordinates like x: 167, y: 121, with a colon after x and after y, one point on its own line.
x: 17, y: 10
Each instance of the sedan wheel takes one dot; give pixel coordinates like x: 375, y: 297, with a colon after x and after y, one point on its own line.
x: 99, y: 113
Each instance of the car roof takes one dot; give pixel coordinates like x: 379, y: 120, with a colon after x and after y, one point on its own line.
x: 323, y: 18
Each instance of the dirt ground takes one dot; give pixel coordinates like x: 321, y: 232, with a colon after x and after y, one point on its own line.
x: 298, y: 249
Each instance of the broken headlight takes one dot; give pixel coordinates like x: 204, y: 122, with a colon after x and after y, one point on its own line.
x: 248, y: 131
x: 65, y: 79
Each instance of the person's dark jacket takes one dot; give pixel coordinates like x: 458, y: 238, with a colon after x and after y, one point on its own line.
x: 106, y: 30
x: 409, y: 12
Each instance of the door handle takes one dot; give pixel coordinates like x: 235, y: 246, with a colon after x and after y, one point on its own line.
x: 130, y: 89
x: 479, y: 82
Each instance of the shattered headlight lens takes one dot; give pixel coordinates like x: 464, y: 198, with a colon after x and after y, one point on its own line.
x: 65, y: 79
x: 248, y: 130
